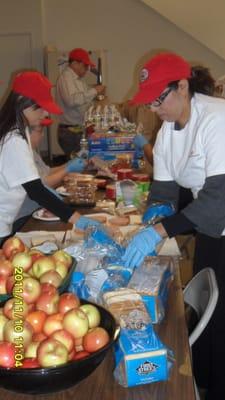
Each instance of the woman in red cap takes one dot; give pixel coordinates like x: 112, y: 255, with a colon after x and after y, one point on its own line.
x: 74, y: 97
x: 188, y: 153
x: 27, y: 105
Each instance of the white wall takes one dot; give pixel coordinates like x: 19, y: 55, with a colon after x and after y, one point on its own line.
x: 128, y: 29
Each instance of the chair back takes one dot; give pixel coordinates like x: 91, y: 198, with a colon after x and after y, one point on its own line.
x: 201, y: 293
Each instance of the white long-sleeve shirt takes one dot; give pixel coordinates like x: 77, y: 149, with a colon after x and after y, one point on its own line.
x: 74, y: 97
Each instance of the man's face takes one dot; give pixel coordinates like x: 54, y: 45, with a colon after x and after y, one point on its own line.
x: 80, y: 68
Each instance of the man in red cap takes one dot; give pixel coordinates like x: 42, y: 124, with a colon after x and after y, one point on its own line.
x: 74, y: 97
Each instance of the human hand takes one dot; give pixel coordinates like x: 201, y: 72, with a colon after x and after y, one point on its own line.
x: 143, y: 244
x: 158, y: 210
x: 140, y: 141
x: 100, y: 89
x: 75, y: 165
x: 84, y: 223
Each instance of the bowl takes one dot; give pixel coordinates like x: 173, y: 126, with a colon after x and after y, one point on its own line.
x: 55, y: 379
x: 61, y: 289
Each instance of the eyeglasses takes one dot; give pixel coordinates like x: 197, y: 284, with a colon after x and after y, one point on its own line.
x: 157, y: 102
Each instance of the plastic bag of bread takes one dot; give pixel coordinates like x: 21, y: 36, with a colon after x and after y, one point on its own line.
x: 140, y: 356
x: 151, y: 280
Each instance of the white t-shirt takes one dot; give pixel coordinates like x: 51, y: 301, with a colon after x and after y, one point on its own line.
x: 190, y: 155
x: 17, y: 167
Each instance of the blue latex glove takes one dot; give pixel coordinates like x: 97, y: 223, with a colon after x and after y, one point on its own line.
x: 75, y: 165
x: 53, y: 191
x: 139, y: 141
x: 157, y: 211
x: 143, y: 244
x: 84, y: 223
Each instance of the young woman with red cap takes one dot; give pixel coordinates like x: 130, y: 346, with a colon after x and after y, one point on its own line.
x: 74, y: 97
x: 27, y: 105
x: 189, y: 153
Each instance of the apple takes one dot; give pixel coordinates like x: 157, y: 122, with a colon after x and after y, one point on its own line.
x: 95, y: 339
x: 10, y: 283
x: 68, y: 301
x: 48, y: 302
x: 61, y: 268
x: 48, y: 288
x: 31, y: 290
x: 52, y: 277
x: 12, y: 246
x: 35, y: 254
x: 6, y: 268
x: 7, y: 355
x: 3, y: 320
x: 52, y: 323
x: 36, y: 319
x: 31, y: 350
x: 65, y: 338
x: 39, y: 337
x: 92, y: 313
x: 81, y: 354
x: 15, y: 308
x: 30, y: 363
x: 71, y: 355
x: 51, y: 353
x: 3, y: 280
x: 42, y: 265
x: 75, y: 321
x: 2, y: 256
x: 22, y: 260
x: 61, y: 255
x: 16, y: 333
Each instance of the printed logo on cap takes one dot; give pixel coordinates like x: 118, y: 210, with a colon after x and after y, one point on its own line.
x: 144, y: 74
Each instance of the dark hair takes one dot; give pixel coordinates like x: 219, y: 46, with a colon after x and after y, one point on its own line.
x: 11, y: 115
x: 201, y: 81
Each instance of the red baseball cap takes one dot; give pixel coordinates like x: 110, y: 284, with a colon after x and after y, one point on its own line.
x: 157, y: 73
x: 36, y: 86
x: 81, y: 55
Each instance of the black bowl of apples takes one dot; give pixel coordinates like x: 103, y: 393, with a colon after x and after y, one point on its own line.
x: 70, y: 352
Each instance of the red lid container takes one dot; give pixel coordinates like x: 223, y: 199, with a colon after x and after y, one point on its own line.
x: 140, y: 177
x: 110, y: 192
x: 124, y: 173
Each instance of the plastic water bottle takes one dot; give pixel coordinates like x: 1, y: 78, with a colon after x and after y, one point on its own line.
x: 84, y: 151
x: 76, y: 283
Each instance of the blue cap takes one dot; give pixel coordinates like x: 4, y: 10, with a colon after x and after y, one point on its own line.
x: 77, y: 276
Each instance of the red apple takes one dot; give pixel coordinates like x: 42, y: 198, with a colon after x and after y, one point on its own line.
x: 92, y: 313
x: 61, y: 268
x: 51, y: 353
x: 30, y: 363
x: 7, y: 355
x: 52, y: 323
x: 48, y: 288
x: 12, y: 245
x: 61, y: 255
x: 42, y: 265
x: 31, y: 350
x: 48, y: 302
x: 22, y: 260
x: 36, y: 319
x: 35, y: 254
x: 31, y: 290
x: 10, y: 283
x: 15, y: 308
x: 75, y: 321
x: 3, y: 280
x: 81, y: 354
x: 95, y: 339
x: 18, y: 333
x: 2, y: 256
x: 52, y: 277
x: 3, y: 320
x: 39, y: 337
x: 6, y: 268
x: 68, y: 301
x: 65, y: 338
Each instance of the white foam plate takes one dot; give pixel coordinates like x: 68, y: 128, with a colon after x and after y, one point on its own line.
x: 38, y: 214
x: 62, y: 191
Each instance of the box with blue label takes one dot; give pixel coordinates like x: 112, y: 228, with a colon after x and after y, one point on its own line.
x: 111, y: 142
x: 152, y: 280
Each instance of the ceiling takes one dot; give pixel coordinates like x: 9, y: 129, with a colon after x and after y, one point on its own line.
x: 203, y: 20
